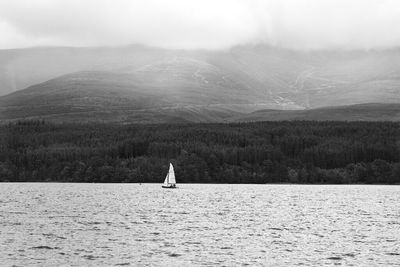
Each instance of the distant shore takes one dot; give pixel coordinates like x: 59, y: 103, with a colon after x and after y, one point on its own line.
x: 183, y: 184
x: 301, y: 152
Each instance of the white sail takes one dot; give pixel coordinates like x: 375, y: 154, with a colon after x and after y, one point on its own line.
x: 171, y: 175
x: 166, y: 180
x: 169, y: 181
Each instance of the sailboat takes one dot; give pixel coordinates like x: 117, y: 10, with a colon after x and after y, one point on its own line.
x: 170, y: 178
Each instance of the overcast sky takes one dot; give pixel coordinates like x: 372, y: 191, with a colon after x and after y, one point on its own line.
x: 208, y: 24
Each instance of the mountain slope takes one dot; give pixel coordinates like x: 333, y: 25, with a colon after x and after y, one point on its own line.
x: 321, y: 78
x: 21, y: 68
x: 137, y: 83
x: 288, y: 79
x: 361, y: 112
x: 185, y: 86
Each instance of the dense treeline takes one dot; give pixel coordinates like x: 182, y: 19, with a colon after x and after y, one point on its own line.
x: 266, y: 152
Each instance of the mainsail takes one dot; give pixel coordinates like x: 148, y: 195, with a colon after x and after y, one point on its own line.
x: 171, y: 175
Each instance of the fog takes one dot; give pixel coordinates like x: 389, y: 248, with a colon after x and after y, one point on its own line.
x: 201, y: 24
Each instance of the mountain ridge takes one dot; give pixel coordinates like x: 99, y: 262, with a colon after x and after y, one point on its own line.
x: 240, y: 81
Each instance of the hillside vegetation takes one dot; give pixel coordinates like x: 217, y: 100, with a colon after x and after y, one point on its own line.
x: 361, y: 112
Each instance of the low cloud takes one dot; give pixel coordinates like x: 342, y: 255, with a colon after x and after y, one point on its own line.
x: 204, y: 24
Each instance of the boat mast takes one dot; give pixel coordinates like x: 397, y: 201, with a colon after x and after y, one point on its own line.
x: 169, y: 171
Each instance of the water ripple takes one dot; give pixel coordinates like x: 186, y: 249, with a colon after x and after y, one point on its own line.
x: 199, y: 225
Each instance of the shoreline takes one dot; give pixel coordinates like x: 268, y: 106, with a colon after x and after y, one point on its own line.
x: 55, y: 182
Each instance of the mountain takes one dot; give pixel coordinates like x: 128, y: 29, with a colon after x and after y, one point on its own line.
x: 145, y: 84
x: 21, y: 68
x: 196, y: 89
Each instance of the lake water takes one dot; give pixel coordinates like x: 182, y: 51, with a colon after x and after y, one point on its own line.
x: 226, y: 225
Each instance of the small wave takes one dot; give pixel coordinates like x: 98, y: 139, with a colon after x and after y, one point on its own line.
x: 45, y: 247
x: 318, y: 235
x: 181, y: 212
x: 192, y: 243
x: 92, y: 223
x: 54, y: 236
x: 89, y: 257
x: 336, y: 258
x: 174, y: 255
x: 92, y: 257
x: 393, y: 254
x: 16, y: 212
x: 275, y: 229
x: 123, y: 264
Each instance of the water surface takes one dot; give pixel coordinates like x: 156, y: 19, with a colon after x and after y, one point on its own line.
x: 231, y: 225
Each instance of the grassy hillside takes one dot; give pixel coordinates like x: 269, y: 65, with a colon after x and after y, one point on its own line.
x: 277, y: 78
x: 362, y: 112
x: 118, y: 111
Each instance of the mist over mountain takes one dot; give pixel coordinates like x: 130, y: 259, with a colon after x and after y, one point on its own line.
x: 205, y: 24
x: 135, y: 83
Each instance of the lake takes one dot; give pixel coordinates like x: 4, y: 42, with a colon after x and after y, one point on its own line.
x: 48, y: 224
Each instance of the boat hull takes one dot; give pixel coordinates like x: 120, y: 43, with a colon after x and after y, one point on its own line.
x: 169, y: 187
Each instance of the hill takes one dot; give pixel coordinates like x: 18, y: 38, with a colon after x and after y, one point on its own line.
x: 144, y: 84
x: 185, y: 90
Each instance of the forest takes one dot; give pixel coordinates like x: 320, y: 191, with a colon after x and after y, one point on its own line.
x: 263, y: 152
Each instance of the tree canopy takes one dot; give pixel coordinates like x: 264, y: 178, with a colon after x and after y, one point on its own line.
x: 263, y: 152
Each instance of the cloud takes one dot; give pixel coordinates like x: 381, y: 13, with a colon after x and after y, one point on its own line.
x: 349, y: 24
x: 209, y: 24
